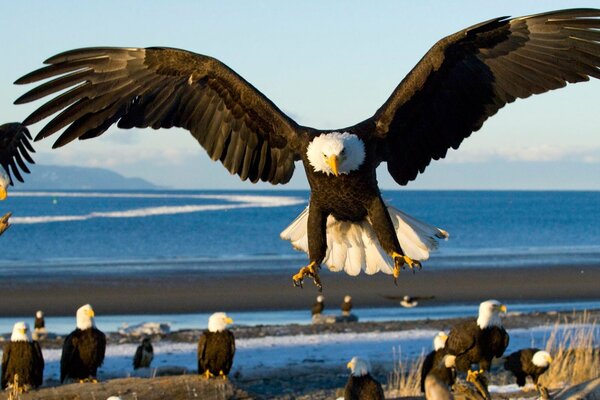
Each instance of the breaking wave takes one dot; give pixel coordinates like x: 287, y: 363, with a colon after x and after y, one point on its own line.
x: 234, y: 201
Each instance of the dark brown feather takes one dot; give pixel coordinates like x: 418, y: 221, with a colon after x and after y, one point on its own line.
x: 162, y: 88
x: 467, y: 77
x: 14, y: 149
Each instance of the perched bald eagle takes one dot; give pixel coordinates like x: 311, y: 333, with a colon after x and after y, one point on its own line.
x: 346, y: 306
x: 39, y: 326
x: 529, y: 362
x: 144, y: 354
x: 436, y: 384
x: 464, y: 79
x: 361, y: 385
x: 14, y: 147
x: 318, y: 306
x: 23, y: 357
x: 83, y: 350
x: 479, y: 341
x: 216, y: 347
x: 434, y: 359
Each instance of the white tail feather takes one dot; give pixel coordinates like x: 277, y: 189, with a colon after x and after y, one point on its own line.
x: 353, y: 246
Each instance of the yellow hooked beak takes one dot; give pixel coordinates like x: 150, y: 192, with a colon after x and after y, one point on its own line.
x: 333, y: 163
x: 23, y: 331
x: 549, y: 358
x: 91, y: 313
x: 349, y: 365
x: 3, y: 193
x: 503, y: 308
x: 228, y: 320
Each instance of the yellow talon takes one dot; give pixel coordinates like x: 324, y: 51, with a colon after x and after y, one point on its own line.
x: 311, y: 270
x: 400, y: 260
x: 222, y: 375
x: 472, y: 376
x: 207, y: 374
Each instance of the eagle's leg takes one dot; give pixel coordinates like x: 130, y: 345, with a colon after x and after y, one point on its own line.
x: 222, y: 375
x: 400, y: 260
x: 207, y: 374
x: 386, y: 234
x: 311, y: 270
x: 480, y: 382
x: 542, y: 391
x: 317, y: 246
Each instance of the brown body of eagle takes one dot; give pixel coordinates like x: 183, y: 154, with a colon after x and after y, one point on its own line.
x: 83, y: 352
x: 22, y: 358
x: 520, y: 363
x: 473, y: 345
x: 215, y: 352
x: 363, y: 387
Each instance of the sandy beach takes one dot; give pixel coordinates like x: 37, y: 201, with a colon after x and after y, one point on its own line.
x: 204, y: 292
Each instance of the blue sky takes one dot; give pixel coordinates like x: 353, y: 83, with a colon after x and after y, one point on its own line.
x: 328, y: 64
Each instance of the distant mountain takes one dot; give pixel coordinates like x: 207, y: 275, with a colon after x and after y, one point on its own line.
x: 79, y: 178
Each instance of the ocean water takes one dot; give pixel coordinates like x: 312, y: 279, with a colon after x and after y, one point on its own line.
x: 141, y: 232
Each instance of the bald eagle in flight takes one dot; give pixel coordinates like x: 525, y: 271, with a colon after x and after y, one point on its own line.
x: 23, y: 357
x: 14, y: 148
x: 464, y: 79
x: 479, y: 341
x: 216, y: 347
x: 83, y: 350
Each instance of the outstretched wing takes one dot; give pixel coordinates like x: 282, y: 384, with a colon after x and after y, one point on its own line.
x: 14, y: 147
x: 162, y: 88
x: 467, y: 77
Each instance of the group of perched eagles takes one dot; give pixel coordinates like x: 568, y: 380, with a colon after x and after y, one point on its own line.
x: 84, y: 349
x: 470, y: 343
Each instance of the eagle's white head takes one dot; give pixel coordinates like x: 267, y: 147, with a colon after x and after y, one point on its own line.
x: 20, y: 332
x: 439, y: 341
x: 336, y: 153
x: 320, y: 299
x: 541, y: 359
x: 489, y: 314
x: 218, y: 322
x: 449, y: 361
x: 39, y: 314
x: 4, y: 182
x: 358, y: 366
x: 85, y: 317
x: 347, y: 299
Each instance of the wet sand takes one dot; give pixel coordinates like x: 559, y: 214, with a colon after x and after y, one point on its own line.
x: 206, y: 292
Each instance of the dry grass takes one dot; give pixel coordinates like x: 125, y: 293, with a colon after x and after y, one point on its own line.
x: 405, y: 379
x: 573, y: 347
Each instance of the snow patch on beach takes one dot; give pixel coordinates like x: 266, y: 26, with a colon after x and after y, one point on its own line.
x: 234, y: 202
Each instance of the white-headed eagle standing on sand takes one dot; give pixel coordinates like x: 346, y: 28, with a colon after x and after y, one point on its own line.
x: 83, y: 350
x: 216, y: 347
x: 478, y: 341
x: 23, y: 358
x: 361, y: 385
x: 464, y: 79
x: 530, y: 362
